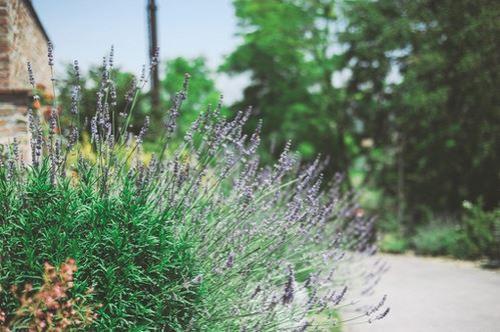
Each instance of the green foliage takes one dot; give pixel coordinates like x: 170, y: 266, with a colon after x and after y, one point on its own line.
x: 198, y: 237
x: 123, y: 84
x: 288, y: 56
x: 202, y: 90
x: 202, y: 94
x: 120, y: 242
x: 403, y: 94
x: 476, y: 236
x: 482, y: 228
x: 393, y: 243
x: 436, y: 239
x: 424, y: 77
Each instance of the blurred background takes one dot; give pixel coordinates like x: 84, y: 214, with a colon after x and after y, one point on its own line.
x: 401, y: 95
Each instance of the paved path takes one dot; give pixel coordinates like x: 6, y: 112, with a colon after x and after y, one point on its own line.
x: 432, y: 294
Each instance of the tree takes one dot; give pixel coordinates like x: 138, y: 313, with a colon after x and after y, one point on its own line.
x: 418, y: 112
x: 201, y: 93
x: 424, y: 80
x: 89, y: 82
x: 287, y: 49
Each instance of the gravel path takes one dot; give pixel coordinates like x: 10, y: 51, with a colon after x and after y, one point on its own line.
x: 432, y: 294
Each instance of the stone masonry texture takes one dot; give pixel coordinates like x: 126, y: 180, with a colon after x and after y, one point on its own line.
x: 22, y: 39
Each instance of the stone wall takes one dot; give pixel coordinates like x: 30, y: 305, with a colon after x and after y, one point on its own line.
x: 22, y: 39
x: 13, y: 116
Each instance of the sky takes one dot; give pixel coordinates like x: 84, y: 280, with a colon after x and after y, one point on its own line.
x: 86, y: 29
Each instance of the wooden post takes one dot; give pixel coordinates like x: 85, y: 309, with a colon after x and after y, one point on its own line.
x: 153, y: 46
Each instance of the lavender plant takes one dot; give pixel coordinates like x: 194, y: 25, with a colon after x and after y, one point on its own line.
x: 201, y: 237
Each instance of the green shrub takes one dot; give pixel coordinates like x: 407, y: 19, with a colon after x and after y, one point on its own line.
x: 436, y: 239
x: 393, y: 243
x: 476, y: 236
x: 199, y: 238
x: 482, y: 229
x: 120, y: 242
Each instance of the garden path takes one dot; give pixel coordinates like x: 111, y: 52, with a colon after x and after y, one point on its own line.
x: 435, y: 294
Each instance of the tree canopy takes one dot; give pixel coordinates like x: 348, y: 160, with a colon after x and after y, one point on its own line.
x: 406, y: 90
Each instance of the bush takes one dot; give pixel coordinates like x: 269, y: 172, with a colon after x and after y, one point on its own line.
x: 201, y: 237
x: 118, y: 239
x: 482, y: 229
x: 476, y: 236
x: 436, y: 239
x: 393, y: 243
